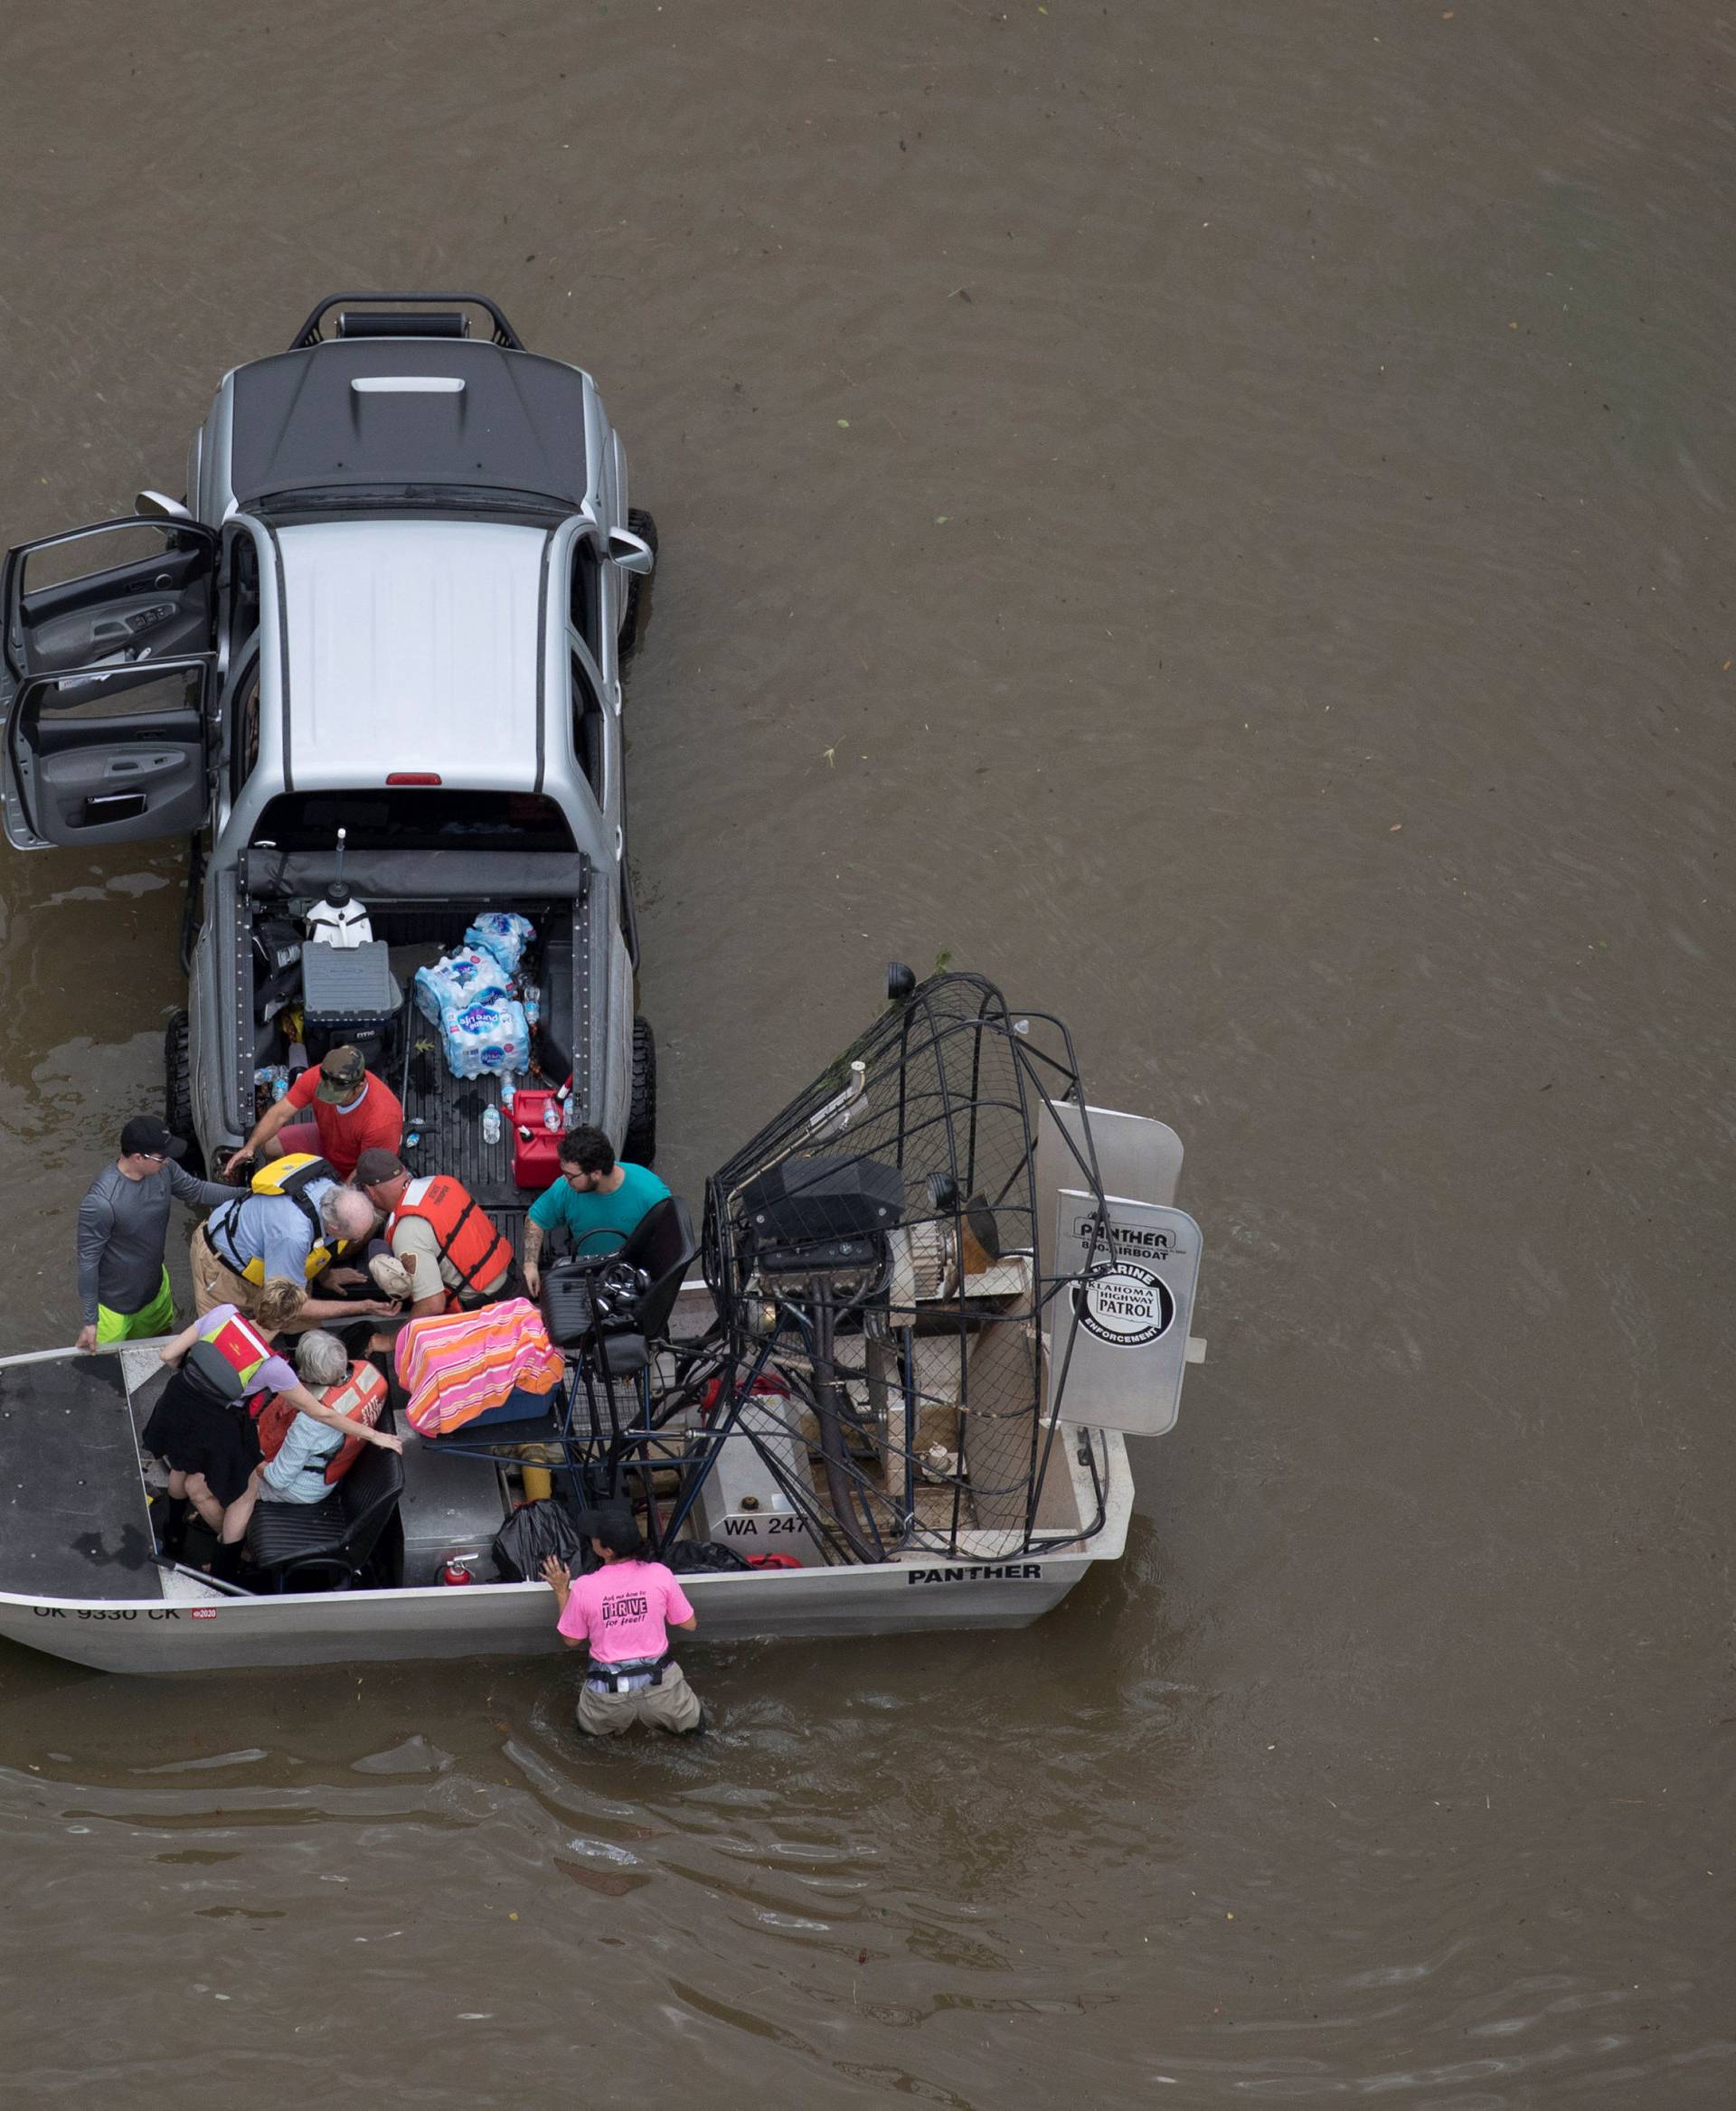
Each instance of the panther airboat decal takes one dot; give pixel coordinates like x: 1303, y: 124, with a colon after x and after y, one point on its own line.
x: 1008, y: 1572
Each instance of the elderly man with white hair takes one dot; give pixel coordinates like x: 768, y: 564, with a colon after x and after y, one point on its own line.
x: 299, y: 1234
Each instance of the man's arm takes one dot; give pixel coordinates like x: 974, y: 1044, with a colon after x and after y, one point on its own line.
x: 96, y: 1219
x: 343, y: 1308
x: 277, y: 1115
x: 533, y: 1254
x: 198, y: 1195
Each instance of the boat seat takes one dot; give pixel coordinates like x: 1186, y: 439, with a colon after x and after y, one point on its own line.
x: 289, y: 1540
x: 663, y: 1245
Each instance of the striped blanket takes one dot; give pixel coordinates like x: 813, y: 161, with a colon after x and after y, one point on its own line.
x: 457, y: 1366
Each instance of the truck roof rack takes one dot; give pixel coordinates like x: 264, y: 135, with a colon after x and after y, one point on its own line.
x: 368, y: 320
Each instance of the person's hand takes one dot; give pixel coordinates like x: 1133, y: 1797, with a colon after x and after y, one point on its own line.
x: 533, y: 1278
x: 169, y: 1353
x: 386, y: 1440
x: 87, y: 1340
x: 345, y: 1278
x: 234, y: 1159
x: 382, y: 1307
x: 554, y: 1573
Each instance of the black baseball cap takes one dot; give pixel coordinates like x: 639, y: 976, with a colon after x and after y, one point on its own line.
x: 375, y: 1166
x: 152, y: 1137
x: 615, y: 1525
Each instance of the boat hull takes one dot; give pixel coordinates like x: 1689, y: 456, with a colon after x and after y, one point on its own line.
x: 375, y: 1627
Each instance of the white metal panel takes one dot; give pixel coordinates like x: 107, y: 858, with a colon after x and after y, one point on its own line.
x: 412, y: 646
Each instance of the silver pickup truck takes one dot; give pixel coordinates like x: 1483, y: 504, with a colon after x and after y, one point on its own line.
x: 394, y: 601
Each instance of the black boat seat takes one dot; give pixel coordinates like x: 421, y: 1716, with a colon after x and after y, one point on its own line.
x: 661, y: 1244
x: 337, y: 1533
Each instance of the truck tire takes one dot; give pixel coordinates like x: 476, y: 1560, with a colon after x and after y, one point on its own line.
x: 646, y: 528
x: 641, y: 1145
x: 177, y: 1098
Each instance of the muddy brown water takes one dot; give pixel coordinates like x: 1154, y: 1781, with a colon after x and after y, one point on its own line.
x: 1217, y: 517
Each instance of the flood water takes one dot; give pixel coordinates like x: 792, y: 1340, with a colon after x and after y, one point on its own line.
x: 1217, y: 517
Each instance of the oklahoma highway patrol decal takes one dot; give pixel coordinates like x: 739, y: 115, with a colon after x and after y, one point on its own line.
x: 1124, y: 1305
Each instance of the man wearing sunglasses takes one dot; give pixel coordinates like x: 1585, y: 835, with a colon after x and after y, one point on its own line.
x: 123, y: 1230
x: 597, y: 1201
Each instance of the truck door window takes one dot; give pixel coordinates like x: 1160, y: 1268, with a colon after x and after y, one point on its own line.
x: 586, y: 609
x: 244, y: 727
x: 589, y: 732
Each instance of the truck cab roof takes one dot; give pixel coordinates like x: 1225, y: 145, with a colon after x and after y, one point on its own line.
x: 413, y: 647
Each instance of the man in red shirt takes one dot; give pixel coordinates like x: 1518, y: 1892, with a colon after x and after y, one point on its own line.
x: 353, y: 1111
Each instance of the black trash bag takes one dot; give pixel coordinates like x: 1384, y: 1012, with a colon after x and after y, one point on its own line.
x: 687, y: 1555
x: 535, y: 1532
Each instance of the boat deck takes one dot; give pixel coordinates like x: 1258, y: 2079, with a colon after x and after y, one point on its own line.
x: 74, y: 1520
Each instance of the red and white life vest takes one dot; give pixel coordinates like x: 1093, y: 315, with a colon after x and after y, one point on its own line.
x: 241, y: 1346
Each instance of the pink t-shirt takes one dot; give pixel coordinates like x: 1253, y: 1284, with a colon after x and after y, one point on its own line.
x: 621, y: 1610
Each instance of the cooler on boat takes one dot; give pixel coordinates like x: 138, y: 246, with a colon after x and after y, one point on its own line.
x: 537, y: 1162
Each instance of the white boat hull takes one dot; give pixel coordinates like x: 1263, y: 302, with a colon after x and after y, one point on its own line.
x: 204, y: 1631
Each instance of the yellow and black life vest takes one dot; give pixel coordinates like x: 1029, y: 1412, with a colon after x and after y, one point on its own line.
x: 287, y: 1178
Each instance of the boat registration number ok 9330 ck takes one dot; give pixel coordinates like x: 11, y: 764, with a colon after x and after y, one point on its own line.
x: 1002, y: 1572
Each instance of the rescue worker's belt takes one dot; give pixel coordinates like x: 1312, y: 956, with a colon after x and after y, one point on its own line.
x: 632, y: 1674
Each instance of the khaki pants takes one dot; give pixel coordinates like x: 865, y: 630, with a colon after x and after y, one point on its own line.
x: 674, y: 1705
x: 215, y: 1282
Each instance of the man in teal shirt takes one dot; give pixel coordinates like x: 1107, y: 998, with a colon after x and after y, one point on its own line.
x: 596, y: 1200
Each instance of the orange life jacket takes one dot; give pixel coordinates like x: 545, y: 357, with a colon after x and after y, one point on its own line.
x: 361, y: 1395
x: 467, y: 1238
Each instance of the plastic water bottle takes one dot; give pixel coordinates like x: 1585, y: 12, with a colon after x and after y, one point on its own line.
x: 491, y: 1124
x: 551, y: 1116
x: 531, y: 1000
x: 508, y: 1092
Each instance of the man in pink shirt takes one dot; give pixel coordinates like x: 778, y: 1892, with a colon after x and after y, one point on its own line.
x: 623, y: 1610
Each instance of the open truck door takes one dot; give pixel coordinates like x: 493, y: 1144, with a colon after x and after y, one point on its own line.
x: 109, y: 650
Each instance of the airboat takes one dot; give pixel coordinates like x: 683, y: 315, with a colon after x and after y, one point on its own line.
x: 886, y: 1388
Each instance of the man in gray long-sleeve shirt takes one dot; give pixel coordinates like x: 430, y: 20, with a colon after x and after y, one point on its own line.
x: 123, y: 1230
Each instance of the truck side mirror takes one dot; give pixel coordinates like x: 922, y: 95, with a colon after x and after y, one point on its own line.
x: 630, y: 552
x: 154, y: 506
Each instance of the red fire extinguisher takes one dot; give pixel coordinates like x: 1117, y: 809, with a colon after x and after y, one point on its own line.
x: 456, y: 1571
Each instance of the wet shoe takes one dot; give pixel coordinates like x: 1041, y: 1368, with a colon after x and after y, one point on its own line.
x: 392, y: 1278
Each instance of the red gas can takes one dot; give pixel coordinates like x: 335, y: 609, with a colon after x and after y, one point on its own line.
x: 536, y: 1162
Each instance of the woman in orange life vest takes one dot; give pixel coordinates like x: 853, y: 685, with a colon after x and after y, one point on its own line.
x: 202, y: 1430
